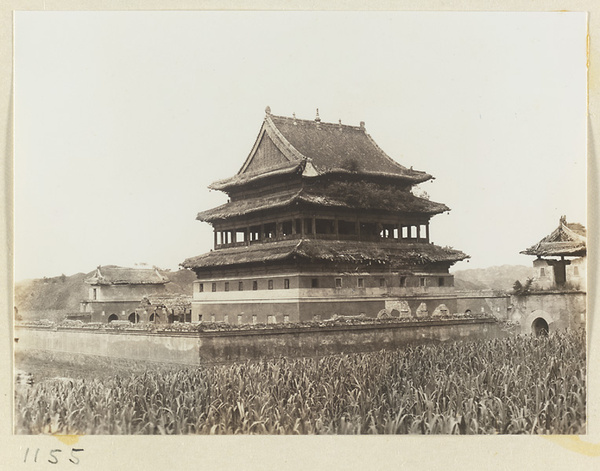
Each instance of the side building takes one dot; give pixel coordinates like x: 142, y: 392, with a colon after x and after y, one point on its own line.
x: 561, y: 257
x: 320, y: 221
x: 557, y: 297
x: 115, y: 292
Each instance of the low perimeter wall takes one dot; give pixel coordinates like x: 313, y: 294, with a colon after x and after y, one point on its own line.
x: 214, y: 347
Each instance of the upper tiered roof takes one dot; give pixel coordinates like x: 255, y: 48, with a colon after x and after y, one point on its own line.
x: 568, y: 239
x: 365, y: 197
x: 313, y: 148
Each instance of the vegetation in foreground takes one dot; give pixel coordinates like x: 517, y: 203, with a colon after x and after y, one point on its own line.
x: 507, y: 386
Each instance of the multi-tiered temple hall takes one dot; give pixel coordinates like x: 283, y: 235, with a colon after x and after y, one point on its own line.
x: 320, y: 221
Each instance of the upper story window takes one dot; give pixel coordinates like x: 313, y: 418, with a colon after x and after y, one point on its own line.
x: 94, y: 294
x: 360, y: 283
x: 214, y: 287
x: 241, y: 286
x: 314, y: 283
x: 542, y: 272
x: 403, y: 281
x: 200, y: 287
x: 325, y: 226
x: 338, y: 283
x: 286, y: 283
x: 286, y: 228
x: 270, y: 230
x: 270, y: 284
x: 254, y: 285
x: 422, y: 281
x: 382, y: 282
x: 227, y: 286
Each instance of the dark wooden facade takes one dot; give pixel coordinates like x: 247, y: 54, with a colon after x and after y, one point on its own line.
x: 320, y: 221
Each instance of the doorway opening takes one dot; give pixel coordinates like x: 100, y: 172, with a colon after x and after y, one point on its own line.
x: 539, y: 327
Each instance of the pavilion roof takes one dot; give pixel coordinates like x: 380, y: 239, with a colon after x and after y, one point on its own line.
x: 396, y: 254
x: 114, y: 275
x: 568, y: 239
x: 314, y: 148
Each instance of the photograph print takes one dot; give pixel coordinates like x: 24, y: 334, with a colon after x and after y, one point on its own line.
x: 268, y: 222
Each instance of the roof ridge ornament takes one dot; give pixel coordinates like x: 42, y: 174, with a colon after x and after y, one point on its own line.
x: 318, y: 118
x: 268, y: 110
x: 294, y: 116
x: 362, y: 126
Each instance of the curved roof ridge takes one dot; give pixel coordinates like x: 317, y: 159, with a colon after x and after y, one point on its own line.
x: 271, y: 130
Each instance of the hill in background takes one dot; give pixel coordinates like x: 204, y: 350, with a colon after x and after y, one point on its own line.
x: 49, y: 297
x: 496, y: 278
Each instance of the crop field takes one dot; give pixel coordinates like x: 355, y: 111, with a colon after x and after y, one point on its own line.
x: 516, y: 385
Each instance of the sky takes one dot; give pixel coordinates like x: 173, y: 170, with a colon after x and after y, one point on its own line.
x: 122, y: 120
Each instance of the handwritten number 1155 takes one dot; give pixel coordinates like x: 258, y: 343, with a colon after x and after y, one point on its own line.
x: 54, y: 455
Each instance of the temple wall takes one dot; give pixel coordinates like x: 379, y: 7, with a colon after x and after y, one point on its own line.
x: 124, y: 292
x: 559, y: 309
x: 302, y: 305
x: 477, y: 302
x: 101, y: 311
x: 207, y: 347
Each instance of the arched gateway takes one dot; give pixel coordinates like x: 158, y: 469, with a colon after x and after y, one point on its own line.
x: 539, y: 327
